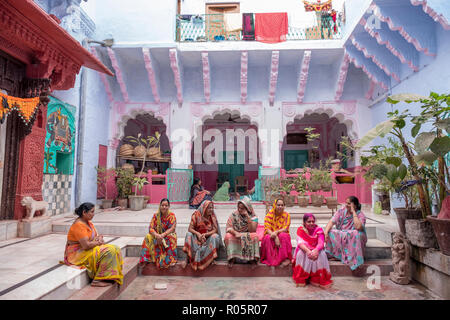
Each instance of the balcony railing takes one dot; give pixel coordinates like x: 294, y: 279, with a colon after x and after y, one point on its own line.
x: 211, y: 28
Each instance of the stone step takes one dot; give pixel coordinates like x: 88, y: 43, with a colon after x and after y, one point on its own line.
x: 221, y: 269
x: 61, y: 281
x: 130, y: 272
x: 375, y: 250
x: 140, y: 229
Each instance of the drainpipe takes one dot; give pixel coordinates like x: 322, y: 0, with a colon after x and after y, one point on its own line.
x: 81, y: 128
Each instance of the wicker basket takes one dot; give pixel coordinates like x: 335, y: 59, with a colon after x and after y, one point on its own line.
x: 153, y: 153
x: 128, y: 166
x: 139, y: 151
x: 126, y: 150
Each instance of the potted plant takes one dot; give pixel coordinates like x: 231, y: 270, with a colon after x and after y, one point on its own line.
x: 285, y: 189
x: 314, y: 185
x: 139, y: 149
x: 137, y: 201
x: 124, y: 183
x: 103, y: 176
x: 300, y: 186
x: 429, y: 147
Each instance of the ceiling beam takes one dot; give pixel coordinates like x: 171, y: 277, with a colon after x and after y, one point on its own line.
x: 206, y: 77
x: 244, y: 76
x: 342, y: 77
x: 275, y: 61
x: 119, y: 77
x: 174, y: 64
x: 103, y: 77
x: 303, y: 76
x: 151, y: 74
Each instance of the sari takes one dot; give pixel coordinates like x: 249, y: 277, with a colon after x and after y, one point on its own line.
x: 346, y: 243
x: 271, y: 254
x: 202, y: 255
x: 163, y: 255
x: 102, y: 262
x: 317, y: 271
x: 198, y: 195
x: 246, y: 247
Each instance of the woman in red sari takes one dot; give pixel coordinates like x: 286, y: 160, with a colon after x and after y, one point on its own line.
x: 276, y: 247
x: 310, y: 260
x: 198, y: 194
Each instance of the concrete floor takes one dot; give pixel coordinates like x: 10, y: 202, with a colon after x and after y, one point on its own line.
x: 344, y: 288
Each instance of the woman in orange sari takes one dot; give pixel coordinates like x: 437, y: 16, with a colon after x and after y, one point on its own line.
x: 86, y: 249
x: 203, y: 238
x: 160, y: 243
x: 276, y: 247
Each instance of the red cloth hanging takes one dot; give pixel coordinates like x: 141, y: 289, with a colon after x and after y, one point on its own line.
x: 271, y: 27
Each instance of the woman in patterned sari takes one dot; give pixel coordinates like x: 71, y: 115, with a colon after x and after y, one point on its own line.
x: 203, y: 238
x: 276, y: 247
x: 160, y: 244
x: 198, y: 194
x: 86, y: 249
x: 241, y: 239
x: 310, y: 260
x: 348, y: 240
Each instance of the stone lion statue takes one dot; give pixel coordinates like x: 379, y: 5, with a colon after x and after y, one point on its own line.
x: 32, y: 206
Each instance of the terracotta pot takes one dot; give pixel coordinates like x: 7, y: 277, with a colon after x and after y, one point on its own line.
x: 326, y: 187
x: 303, y: 201
x: 317, y: 200
x: 419, y: 233
x: 441, y: 228
x: 403, y: 214
x: 107, y: 203
x: 313, y: 187
x: 332, y: 202
x: 289, y: 200
x: 139, y: 151
x: 136, y: 202
x: 122, y: 203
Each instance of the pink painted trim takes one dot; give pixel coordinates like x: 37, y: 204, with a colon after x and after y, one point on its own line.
x: 374, y: 59
x: 369, y: 93
x: 363, y: 67
x: 303, y: 77
x: 244, y: 79
x: 403, y: 32
x: 206, y: 77
x: 389, y: 46
x: 103, y: 78
x: 433, y: 14
x: 342, y: 77
x: 151, y: 73
x: 288, y: 103
x: 119, y: 76
x: 273, y: 75
x: 176, y: 73
x: 225, y: 104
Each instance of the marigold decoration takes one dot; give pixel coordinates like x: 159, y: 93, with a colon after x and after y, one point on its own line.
x: 317, y: 5
x: 26, y: 107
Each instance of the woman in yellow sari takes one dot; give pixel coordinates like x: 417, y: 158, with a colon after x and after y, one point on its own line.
x: 86, y: 249
x: 160, y: 244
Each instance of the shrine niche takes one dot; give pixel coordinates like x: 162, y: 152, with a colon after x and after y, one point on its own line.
x: 60, y: 138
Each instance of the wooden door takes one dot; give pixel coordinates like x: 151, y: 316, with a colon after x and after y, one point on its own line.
x: 295, y: 159
x: 233, y: 170
x: 215, y: 25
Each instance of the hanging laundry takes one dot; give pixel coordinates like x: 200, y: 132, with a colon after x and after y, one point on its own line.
x: 233, y: 22
x: 248, y: 26
x: 271, y: 27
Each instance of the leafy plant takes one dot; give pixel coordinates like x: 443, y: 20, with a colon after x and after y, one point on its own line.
x: 311, y: 136
x: 124, y: 182
x: 139, y: 183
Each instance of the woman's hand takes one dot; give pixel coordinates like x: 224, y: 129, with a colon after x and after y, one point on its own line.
x: 99, y: 240
x: 326, y: 237
x: 277, y: 241
x: 237, y: 234
x: 274, y: 235
x: 314, y: 254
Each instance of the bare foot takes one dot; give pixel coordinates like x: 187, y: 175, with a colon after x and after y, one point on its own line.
x: 285, y: 263
x: 300, y: 285
x: 326, y: 286
x: 315, y: 284
x: 184, y: 264
x: 97, y: 283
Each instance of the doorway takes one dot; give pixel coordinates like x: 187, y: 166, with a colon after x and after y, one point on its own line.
x: 232, y: 170
x: 295, y: 159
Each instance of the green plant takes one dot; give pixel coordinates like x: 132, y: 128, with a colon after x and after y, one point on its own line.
x: 103, y: 175
x: 311, y: 136
x: 429, y: 146
x: 124, y: 182
x: 139, y: 183
x: 300, y: 184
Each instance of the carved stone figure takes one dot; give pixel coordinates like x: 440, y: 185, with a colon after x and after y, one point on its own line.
x: 32, y: 206
x: 400, y: 259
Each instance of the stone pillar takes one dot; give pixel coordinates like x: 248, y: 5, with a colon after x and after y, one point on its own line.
x: 31, y: 151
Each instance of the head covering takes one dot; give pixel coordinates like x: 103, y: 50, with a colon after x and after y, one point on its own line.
x: 158, y: 217
x: 335, y: 161
x: 274, y: 205
x: 306, y: 216
x: 247, y: 204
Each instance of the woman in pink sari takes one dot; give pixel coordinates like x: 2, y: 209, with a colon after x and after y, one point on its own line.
x: 276, y: 247
x: 310, y: 260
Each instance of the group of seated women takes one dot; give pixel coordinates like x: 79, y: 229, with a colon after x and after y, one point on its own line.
x: 86, y: 249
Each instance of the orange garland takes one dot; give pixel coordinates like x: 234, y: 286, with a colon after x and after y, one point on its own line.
x: 25, y: 107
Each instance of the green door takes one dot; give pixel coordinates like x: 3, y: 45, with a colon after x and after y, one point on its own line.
x: 295, y: 159
x: 232, y: 170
